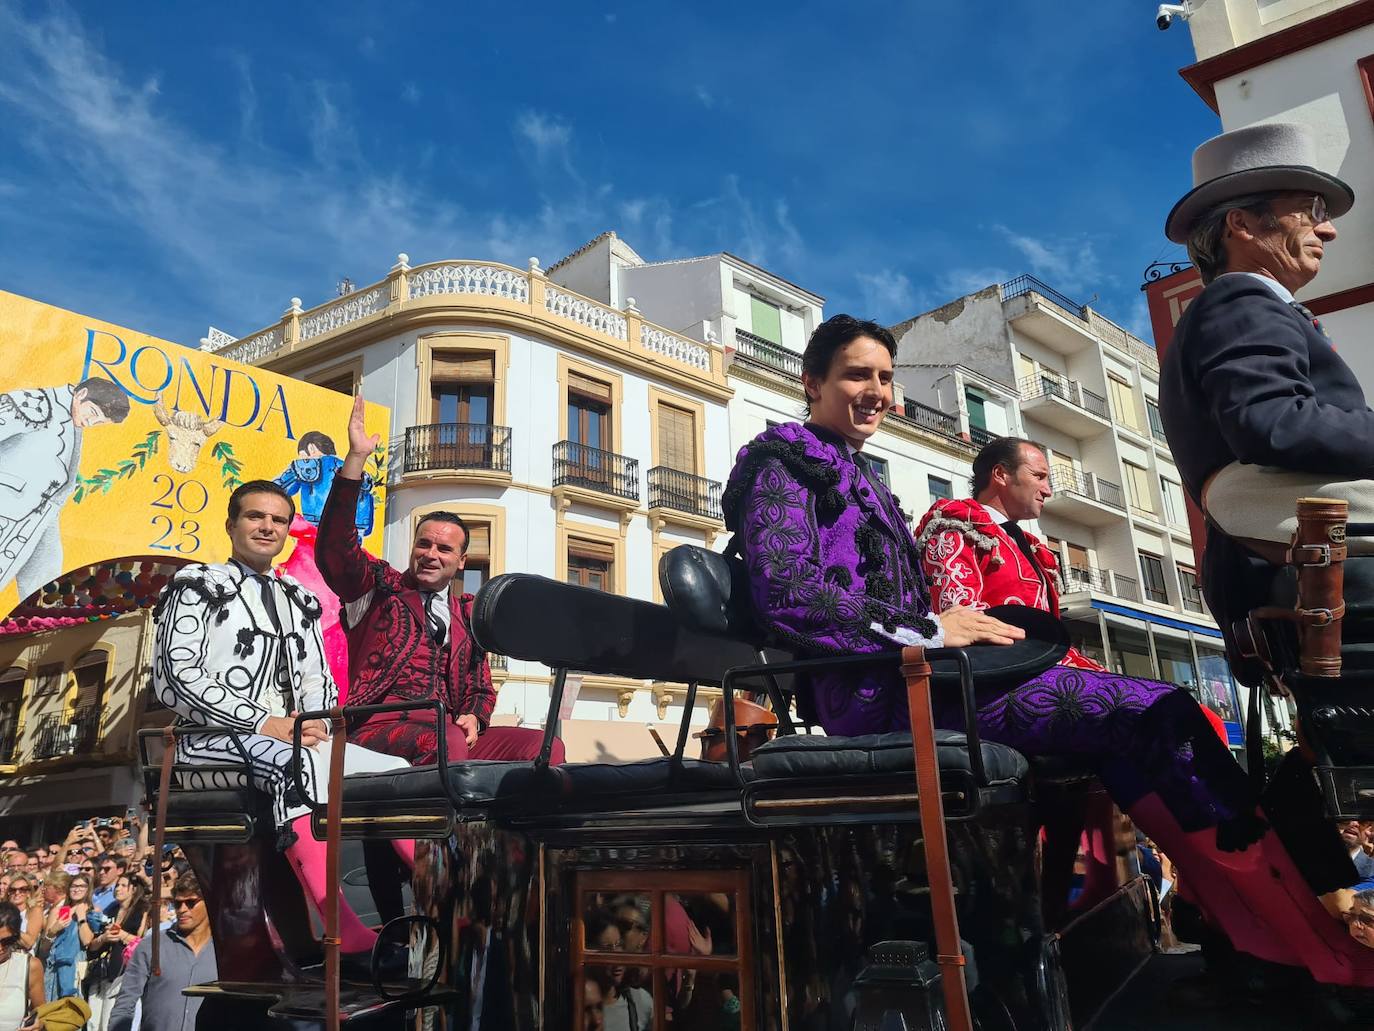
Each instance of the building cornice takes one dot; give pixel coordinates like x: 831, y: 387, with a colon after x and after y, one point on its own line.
x: 1204, y: 75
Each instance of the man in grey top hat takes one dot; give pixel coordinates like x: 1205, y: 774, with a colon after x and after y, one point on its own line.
x: 1258, y: 406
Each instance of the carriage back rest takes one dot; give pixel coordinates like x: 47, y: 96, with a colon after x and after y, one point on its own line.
x: 578, y: 628
x: 708, y: 591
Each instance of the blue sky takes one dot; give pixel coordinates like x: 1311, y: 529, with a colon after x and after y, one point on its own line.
x: 168, y: 166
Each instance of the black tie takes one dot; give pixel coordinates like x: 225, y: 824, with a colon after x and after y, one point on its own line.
x: 1306, y: 313
x: 269, y: 600
x: 436, y: 623
x: 1017, y: 534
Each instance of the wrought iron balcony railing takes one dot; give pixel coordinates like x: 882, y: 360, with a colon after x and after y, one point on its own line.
x: 981, y: 436
x: 1065, y: 479
x: 61, y: 735
x: 578, y: 465
x: 1085, y: 578
x: 1051, y: 384
x: 768, y: 354
x: 685, y: 492
x: 457, y: 445
x: 1127, y: 587
x: 930, y: 418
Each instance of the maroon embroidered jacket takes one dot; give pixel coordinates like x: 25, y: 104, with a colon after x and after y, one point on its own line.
x: 391, y: 655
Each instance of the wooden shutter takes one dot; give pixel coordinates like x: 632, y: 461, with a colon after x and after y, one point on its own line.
x: 1078, y: 556
x: 461, y: 367
x: 596, y: 550
x: 588, y: 387
x: 677, y: 439
x: 479, y: 543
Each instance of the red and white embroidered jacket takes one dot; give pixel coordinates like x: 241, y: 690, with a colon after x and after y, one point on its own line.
x: 970, y: 560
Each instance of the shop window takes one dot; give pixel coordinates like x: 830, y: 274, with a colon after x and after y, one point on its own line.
x: 1130, y: 647
x: 1215, y: 684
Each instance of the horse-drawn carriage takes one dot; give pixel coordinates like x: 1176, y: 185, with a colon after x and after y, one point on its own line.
x: 802, y: 882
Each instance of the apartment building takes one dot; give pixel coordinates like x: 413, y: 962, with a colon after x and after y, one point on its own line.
x: 1057, y: 372
x: 576, y: 438
x: 71, y: 704
x: 923, y: 451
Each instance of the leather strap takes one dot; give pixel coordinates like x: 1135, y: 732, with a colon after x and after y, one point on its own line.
x: 948, y: 954
x: 333, y: 833
x: 1321, y: 583
x: 164, y: 788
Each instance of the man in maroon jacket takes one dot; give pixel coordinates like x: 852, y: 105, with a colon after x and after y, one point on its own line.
x: 408, y: 634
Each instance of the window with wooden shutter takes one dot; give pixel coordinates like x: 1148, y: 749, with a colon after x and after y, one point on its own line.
x: 462, y: 367
x: 1138, y: 487
x: 591, y: 564
x: 677, y: 439
x: 1123, y: 403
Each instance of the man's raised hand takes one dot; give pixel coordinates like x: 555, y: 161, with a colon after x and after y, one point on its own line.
x: 360, y: 442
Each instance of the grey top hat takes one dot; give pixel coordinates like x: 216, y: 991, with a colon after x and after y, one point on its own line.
x: 1276, y: 156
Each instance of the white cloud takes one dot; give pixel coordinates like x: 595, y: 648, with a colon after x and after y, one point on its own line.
x: 1070, y: 265
x: 705, y: 97
x: 410, y: 93
x: 888, y: 295
x: 548, y: 135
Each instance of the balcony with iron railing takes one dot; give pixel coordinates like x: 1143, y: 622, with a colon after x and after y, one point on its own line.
x: 1127, y: 587
x: 980, y: 436
x: 456, y: 446
x: 58, y: 736
x: 1095, y: 325
x: 758, y: 351
x: 1064, y: 404
x: 1086, y: 578
x: 684, y: 492
x: 605, y: 472
x: 1084, y: 497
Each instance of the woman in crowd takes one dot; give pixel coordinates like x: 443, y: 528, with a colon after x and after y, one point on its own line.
x: 21, y: 975
x: 623, y: 1008
x: 126, y: 920
x: 60, y: 944
x: 834, y: 570
x: 23, y: 893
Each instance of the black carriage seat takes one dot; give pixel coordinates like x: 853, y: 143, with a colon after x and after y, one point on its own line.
x: 710, y: 591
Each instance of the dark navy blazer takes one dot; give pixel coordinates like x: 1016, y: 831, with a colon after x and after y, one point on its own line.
x: 1248, y: 378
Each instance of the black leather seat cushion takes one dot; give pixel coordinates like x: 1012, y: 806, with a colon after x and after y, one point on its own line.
x: 479, y: 784
x: 814, y: 756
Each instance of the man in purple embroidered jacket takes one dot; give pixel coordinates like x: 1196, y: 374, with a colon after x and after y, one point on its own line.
x: 834, y: 570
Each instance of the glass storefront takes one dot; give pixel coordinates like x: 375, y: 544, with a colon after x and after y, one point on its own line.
x: 1218, y: 691
x: 1086, y: 636
x: 1129, y: 643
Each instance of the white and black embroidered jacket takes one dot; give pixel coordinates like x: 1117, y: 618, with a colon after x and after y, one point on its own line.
x: 220, y: 659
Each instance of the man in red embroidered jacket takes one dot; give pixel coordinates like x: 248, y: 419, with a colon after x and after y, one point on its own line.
x: 408, y: 636
x: 974, y: 550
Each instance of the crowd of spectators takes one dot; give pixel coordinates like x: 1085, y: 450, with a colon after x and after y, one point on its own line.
x: 79, y: 910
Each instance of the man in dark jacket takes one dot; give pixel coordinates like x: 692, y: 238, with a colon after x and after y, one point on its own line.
x: 1258, y: 406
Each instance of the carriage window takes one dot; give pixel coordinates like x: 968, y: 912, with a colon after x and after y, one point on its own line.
x: 659, y: 950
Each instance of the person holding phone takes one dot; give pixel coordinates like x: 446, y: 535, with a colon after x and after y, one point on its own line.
x: 21, y: 976
x: 59, y: 946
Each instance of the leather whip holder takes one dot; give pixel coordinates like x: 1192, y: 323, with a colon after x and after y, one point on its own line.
x: 949, y: 955
x: 333, y: 833
x: 754, y: 726
x: 1318, y: 552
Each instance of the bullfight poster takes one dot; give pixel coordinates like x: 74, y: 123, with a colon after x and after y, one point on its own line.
x: 117, y: 445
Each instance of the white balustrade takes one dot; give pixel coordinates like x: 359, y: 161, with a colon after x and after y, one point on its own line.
x: 258, y: 346
x: 347, y: 309
x: 485, y: 280
x: 586, y: 313
x: 688, y: 352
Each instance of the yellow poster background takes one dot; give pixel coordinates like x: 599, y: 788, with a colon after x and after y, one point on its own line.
x: 156, y: 483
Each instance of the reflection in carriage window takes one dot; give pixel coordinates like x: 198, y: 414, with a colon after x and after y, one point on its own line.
x: 640, y: 940
x: 624, y: 1006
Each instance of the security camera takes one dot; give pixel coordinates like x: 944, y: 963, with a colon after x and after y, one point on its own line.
x: 1166, y: 14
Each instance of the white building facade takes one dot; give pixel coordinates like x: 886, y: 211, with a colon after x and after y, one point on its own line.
x: 575, y: 438
x: 1311, y: 62
x: 1023, y: 356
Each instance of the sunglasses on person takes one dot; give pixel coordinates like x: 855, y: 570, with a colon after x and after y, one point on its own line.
x: 190, y: 903
x: 8, y: 941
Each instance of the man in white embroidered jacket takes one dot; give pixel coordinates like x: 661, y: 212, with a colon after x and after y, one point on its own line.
x: 238, y: 645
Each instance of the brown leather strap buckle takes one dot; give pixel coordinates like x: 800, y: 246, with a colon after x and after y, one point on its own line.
x: 1321, y: 617
x: 1315, y: 556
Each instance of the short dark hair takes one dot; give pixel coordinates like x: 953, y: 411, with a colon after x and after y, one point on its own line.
x: 833, y: 334
x: 1004, y: 451
x: 257, y: 487
x: 319, y: 439
x: 120, y: 862
x: 107, y: 395
x: 187, y: 884
x: 10, y: 920
x: 443, y: 516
